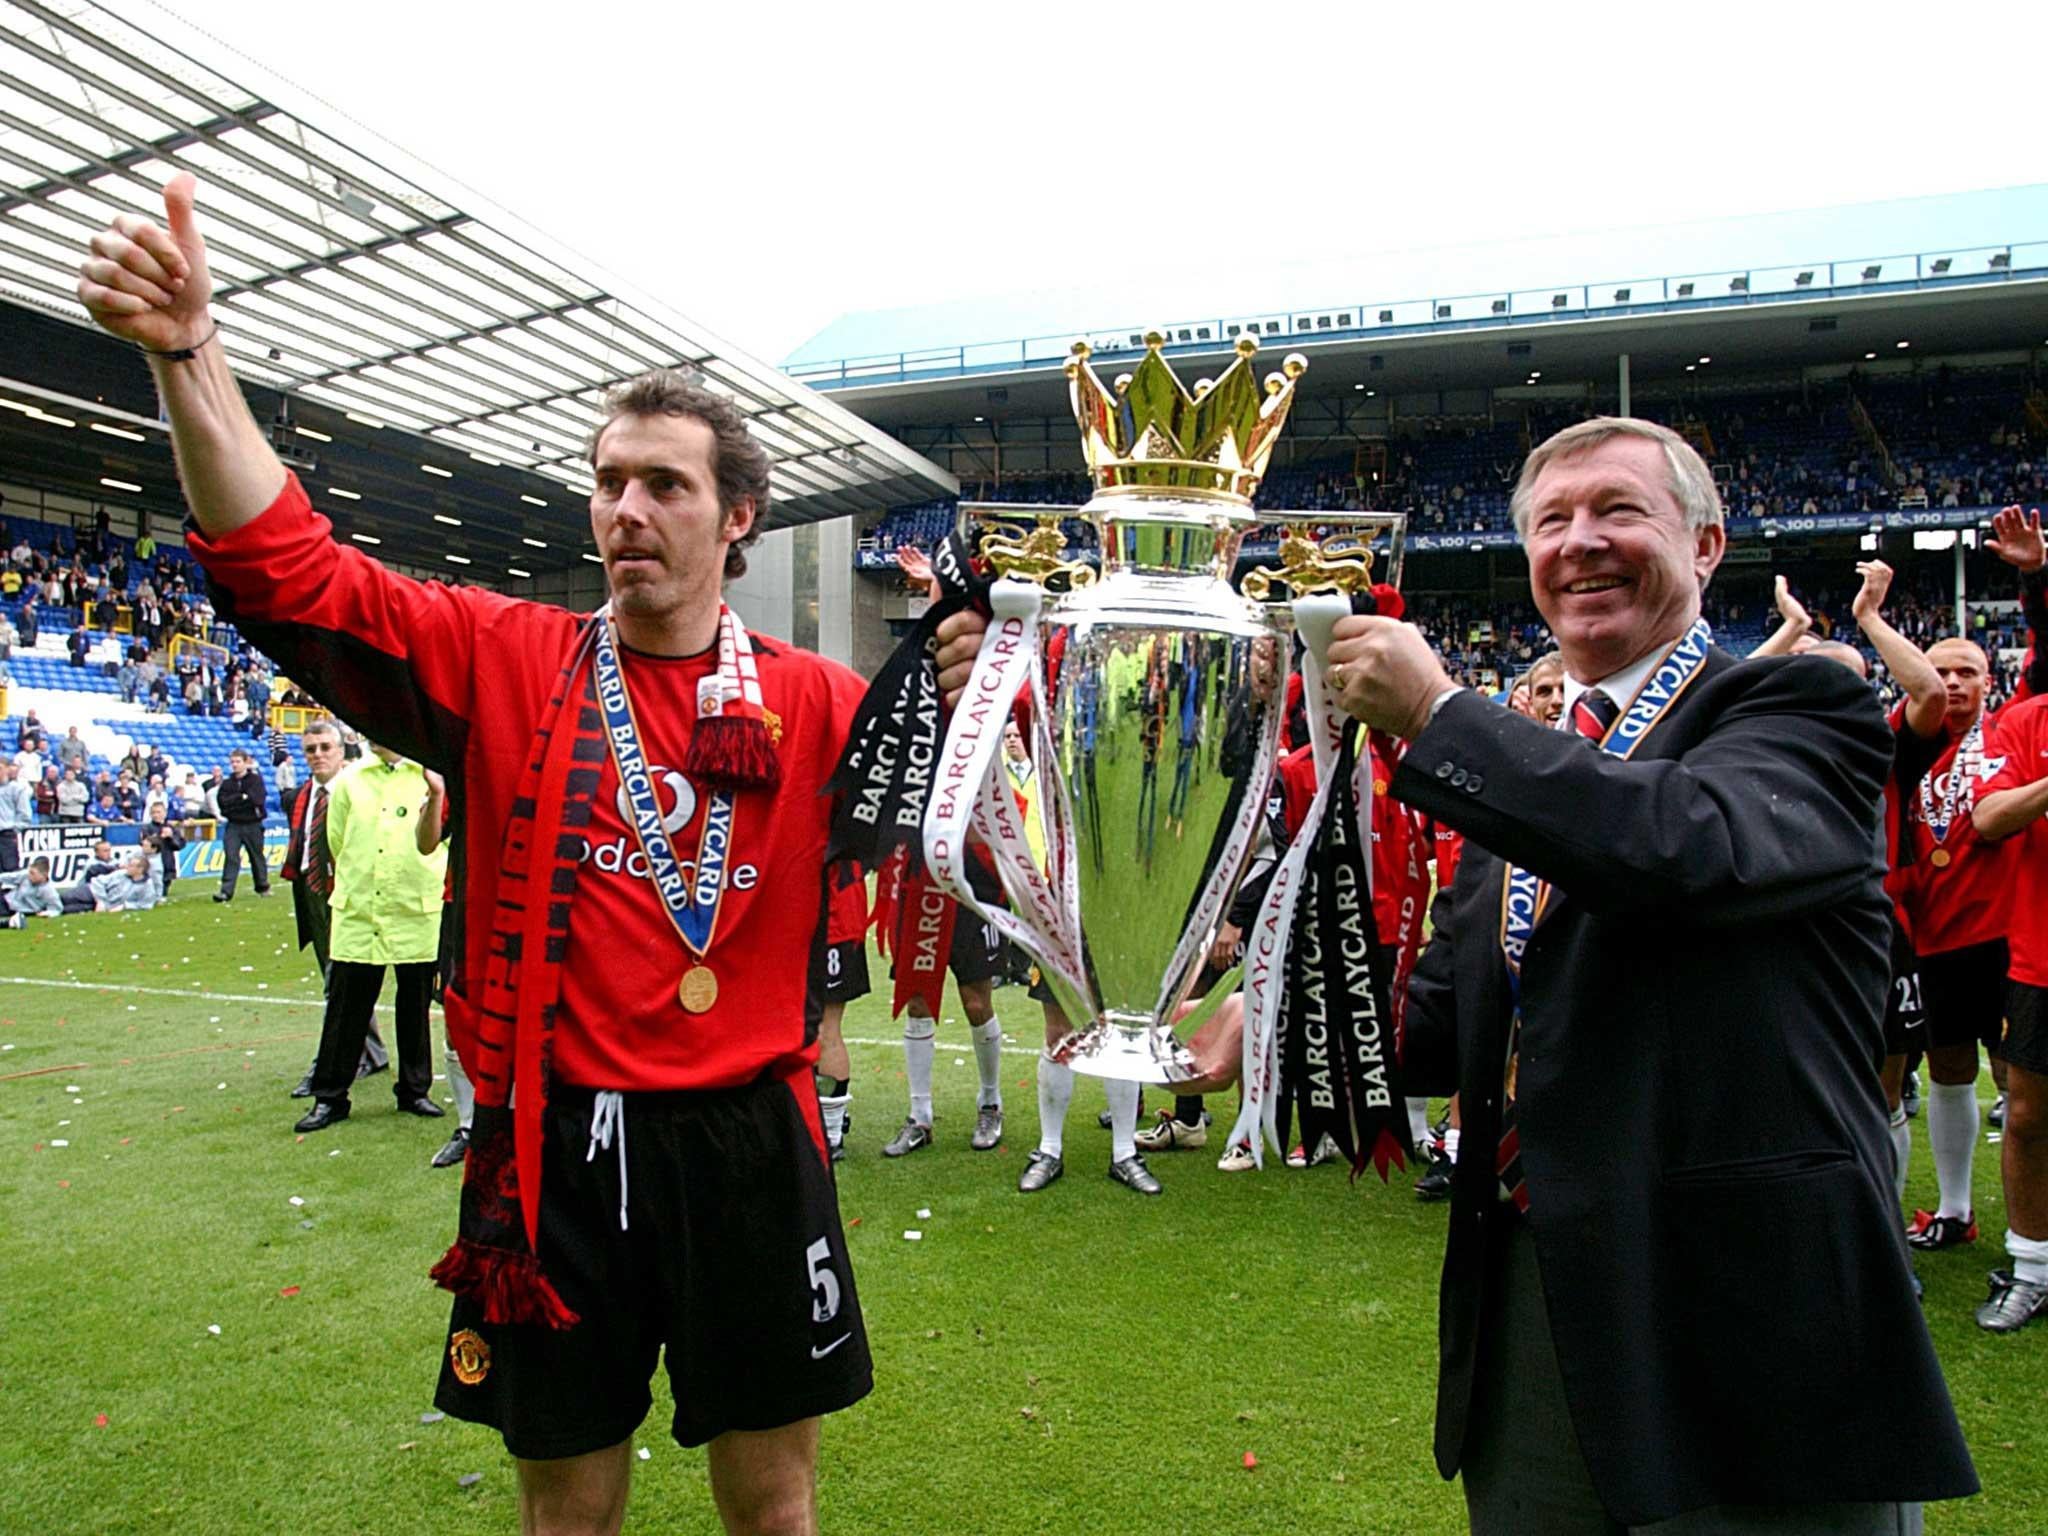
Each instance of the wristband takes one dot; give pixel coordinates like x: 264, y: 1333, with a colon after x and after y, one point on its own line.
x: 183, y: 354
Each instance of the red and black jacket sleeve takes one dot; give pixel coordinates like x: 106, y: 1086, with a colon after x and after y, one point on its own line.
x: 403, y: 660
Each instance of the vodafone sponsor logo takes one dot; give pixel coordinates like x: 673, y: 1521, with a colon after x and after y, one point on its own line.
x: 679, y: 802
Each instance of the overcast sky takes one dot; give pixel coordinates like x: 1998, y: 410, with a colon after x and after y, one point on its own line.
x: 765, y: 168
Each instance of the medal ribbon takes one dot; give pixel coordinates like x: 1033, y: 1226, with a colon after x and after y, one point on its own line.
x: 692, y: 905
x: 1963, y: 769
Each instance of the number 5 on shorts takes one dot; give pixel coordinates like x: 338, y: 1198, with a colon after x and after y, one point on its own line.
x: 818, y: 1260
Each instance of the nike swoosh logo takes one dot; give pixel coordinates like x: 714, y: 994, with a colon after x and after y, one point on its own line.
x: 819, y: 1354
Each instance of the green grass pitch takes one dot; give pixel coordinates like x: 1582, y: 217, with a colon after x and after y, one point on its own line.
x: 1080, y: 1361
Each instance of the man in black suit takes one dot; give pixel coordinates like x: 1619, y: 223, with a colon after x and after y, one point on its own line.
x: 1657, y: 986
x: 309, y: 866
x: 240, y: 797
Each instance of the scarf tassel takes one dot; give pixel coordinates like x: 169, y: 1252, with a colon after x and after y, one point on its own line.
x: 732, y: 752
x: 508, y: 1285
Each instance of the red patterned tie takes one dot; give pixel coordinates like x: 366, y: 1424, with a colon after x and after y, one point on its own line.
x: 1592, y: 714
x: 319, y: 858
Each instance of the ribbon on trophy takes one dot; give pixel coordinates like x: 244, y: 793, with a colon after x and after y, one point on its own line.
x: 1315, y: 980
x: 968, y: 793
x: 883, y: 779
x: 1336, y: 1034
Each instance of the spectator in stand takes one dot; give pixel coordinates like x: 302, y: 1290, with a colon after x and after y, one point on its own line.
x: 28, y: 621
x: 30, y: 733
x: 157, y: 766
x: 135, y: 763
x: 106, y: 613
x: 126, y: 678
x: 106, y: 810
x: 17, y: 812
x: 72, y: 796
x: 46, y: 792
x: 159, y: 694
x: 32, y: 896
x: 71, y: 751
x: 128, y: 795
x: 241, y: 798
x: 79, y: 643
x: 156, y: 800
x: 134, y: 887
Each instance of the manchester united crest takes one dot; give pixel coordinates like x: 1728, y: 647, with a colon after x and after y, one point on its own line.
x: 470, y: 1357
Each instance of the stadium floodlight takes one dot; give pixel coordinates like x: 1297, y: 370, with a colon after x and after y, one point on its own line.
x: 1621, y: 295
x: 535, y: 543
x: 1558, y: 301
x: 1386, y: 317
x: 1358, y: 386
x: 119, y: 485
x: 1685, y: 290
x: 2002, y: 261
x: 531, y: 501
x: 366, y: 538
x: 120, y: 432
x: 435, y: 469
x: 1803, y: 280
x: 1870, y: 273
x: 1443, y: 311
x: 1738, y: 285
x: 513, y: 570
x: 1500, y: 306
x: 443, y: 517
x: 335, y: 490
x: 456, y: 559
x: 1941, y: 265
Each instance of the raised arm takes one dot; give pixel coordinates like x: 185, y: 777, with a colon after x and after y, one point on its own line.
x: 1770, y: 815
x: 1926, y: 699
x: 1798, y: 623
x: 431, y: 826
x: 2016, y: 539
x: 148, y: 284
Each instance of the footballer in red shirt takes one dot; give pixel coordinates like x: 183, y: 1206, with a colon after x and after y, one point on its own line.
x: 2012, y: 806
x: 661, y: 1039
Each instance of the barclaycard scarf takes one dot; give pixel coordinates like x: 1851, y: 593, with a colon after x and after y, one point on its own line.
x: 884, y: 777
x: 494, y: 1257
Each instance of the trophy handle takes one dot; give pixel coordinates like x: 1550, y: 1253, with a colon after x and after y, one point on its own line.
x: 1342, y: 560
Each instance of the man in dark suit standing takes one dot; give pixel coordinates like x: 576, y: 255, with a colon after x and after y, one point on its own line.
x: 240, y: 797
x: 309, y: 866
x: 1657, y: 986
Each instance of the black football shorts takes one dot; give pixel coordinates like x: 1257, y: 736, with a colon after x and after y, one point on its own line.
x: 732, y: 1261
x: 1964, y: 992
x: 2026, y: 1027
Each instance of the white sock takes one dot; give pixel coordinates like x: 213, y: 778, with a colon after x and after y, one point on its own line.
x: 2029, y: 1257
x: 465, y: 1091
x: 919, y: 1035
x: 1123, y: 1118
x: 1055, y: 1093
x: 1418, y: 1120
x: 1451, y: 1142
x: 833, y: 1112
x: 988, y: 1061
x: 1952, y: 1133
x: 1902, y: 1150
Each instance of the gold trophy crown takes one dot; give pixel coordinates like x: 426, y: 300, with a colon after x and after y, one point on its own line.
x: 1146, y: 433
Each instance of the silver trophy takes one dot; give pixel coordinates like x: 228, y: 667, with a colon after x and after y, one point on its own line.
x: 1158, y: 694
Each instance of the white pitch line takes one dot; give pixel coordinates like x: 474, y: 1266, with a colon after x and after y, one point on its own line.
x: 315, y: 1002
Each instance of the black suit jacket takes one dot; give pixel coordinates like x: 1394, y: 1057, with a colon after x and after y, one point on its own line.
x: 1702, y: 1127
x: 308, y: 908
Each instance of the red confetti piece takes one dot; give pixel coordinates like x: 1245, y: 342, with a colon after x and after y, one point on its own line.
x: 855, y: 1222
x: 126, y: 1139
x: 290, y: 1290
x: 99, y: 1421
x: 1250, y: 1461
x: 63, y: 1183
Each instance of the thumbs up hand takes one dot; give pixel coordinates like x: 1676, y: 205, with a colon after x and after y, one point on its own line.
x: 147, y: 283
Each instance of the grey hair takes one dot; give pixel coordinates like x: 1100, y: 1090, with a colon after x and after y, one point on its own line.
x: 324, y: 726
x: 1691, y: 482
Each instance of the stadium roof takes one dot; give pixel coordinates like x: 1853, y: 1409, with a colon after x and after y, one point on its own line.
x: 344, y: 278
x: 1855, y: 251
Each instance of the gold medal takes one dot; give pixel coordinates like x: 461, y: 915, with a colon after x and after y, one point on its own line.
x: 1939, y: 858
x: 699, y: 989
